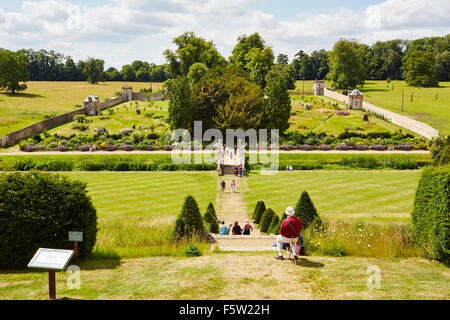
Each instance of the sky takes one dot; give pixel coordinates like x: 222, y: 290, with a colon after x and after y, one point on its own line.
x: 120, y: 31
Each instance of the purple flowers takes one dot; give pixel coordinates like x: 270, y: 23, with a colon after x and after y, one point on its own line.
x: 342, y: 113
x: 378, y: 147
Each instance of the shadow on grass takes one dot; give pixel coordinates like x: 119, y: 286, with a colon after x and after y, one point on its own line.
x: 22, y: 95
x: 309, y: 264
x: 100, y: 259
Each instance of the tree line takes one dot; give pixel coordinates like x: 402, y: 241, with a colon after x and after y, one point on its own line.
x: 421, y: 62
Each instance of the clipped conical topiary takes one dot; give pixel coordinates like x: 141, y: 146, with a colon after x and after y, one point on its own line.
x: 178, y: 230
x: 305, y: 210
x: 260, y: 212
x: 258, y: 204
x: 213, y: 211
x: 190, y: 222
x: 276, y: 229
x: 266, y: 220
x: 210, y: 219
x: 273, y: 224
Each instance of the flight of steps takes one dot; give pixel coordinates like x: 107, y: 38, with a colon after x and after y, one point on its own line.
x: 244, y: 243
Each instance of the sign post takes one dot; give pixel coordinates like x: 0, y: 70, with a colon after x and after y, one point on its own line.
x: 51, y: 260
x: 75, y: 237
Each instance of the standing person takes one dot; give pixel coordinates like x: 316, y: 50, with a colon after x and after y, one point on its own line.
x: 233, y: 186
x: 289, y: 233
x: 247, y: 228
x: 222, y: 185
x: 235, y: 170
x: 237, y: 229
x: 243, y: 171
x: 240, y: 171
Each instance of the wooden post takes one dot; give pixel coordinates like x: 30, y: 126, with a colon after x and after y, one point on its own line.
x: 75, y: 250
x: 403, y: 97
x: 51, y: 284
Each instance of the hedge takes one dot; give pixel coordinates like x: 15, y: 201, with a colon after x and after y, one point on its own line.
x: 37, y: 210
x: 430, y: 216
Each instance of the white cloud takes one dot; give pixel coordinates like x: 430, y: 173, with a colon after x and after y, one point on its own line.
x: 124, y: 30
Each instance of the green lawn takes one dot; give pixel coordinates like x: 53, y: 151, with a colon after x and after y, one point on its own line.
x: 347, y: 194
x: 214, y: 277
x: 49, y: 98
x: 429, y: 105
x: 123, y: 116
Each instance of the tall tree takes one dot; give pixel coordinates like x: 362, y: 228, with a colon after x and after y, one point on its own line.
x: 196, y: 72
x: 282, y: 59
x: 208, y: 95
x: 278, y: 104
x: 180, y: 104
x: 244, y: 107
x: 246, y: 44
x: 192, y: 49
x: 347, y: 65
x: 128, y: 73
x: 319, y: 64
x: 13, y: 71
x: 420, y: 69
x: 93, y: 70
x: 70, y: 70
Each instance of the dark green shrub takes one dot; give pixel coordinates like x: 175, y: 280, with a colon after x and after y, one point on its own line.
x: 37, y: 210
x: 273, y: 224
x: 256, y: 210
x: 260, y: 212
x: 305, y: 210
x: 211, y: 207
x: 266, y: 219
x: 430, y: 216
x: 276, y: 229
x: 210, y: 219
x: 122, y: 166
x: 192, y: 221
x: 193, y: 251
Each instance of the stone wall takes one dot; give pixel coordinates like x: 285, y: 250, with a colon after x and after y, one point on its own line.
x: 142, y: 96
x: 11, y: 138
x: 109, y: 103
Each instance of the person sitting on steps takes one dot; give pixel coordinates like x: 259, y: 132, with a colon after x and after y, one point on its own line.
x: 237, y: 229
x: 289, y: 233
x: 224, y: 230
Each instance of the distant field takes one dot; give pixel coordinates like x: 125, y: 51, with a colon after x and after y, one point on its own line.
x: 49, y: 98
x: 370, y: 195
x: 429, y: 105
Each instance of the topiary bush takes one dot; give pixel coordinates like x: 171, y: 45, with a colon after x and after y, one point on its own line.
x: 260, y: 212
x: 256, y: 210
x: 266, y: 219
x: 305, y: 210
x: 37, y: 210
x: 189, y: 223
x: 211, y: 207
x: 276, y: 229
x: 430, y: 216
x: 273, y: 224
x: 210, y: 219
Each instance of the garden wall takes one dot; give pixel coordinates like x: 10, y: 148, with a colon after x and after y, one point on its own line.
x: 11, y: 138
x: 403, y: 121
x: 142, y: 96
x: 109, y: 103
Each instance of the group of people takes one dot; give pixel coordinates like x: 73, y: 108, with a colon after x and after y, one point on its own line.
x: 223, y: 185
x: 289, y: 168
x: 239, y: 171
x: 236, y: 228
x: 92, y: 147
